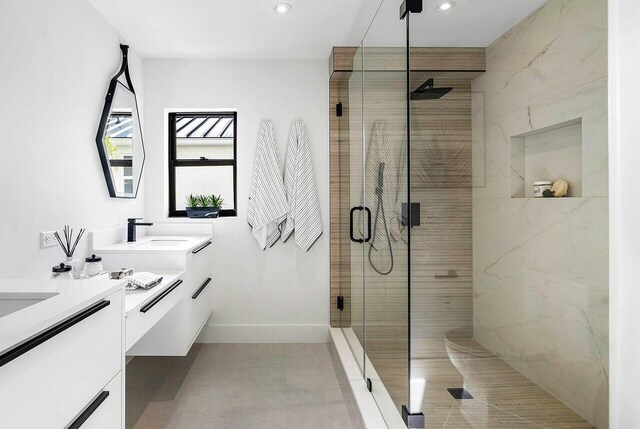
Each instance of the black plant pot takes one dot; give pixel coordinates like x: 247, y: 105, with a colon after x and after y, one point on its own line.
x: 203, y: 212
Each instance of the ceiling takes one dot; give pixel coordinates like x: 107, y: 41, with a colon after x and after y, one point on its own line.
x: 471, y: 23
x: 231, y: 28
x: 251, y: 28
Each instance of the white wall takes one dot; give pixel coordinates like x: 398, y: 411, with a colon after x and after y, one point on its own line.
x: 57, y: 59
x: 281, y: 294
x: 624, y: 154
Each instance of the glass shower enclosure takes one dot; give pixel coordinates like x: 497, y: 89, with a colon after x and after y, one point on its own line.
x: 467, y: 302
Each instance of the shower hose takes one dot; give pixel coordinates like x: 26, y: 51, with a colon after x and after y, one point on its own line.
x: 380, y: 208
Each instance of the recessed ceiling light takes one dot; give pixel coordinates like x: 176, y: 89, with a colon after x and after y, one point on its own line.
x: 283, y: 8
x: 445, y: 6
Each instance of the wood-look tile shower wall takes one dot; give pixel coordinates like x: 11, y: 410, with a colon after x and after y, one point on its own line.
x: 441, y: 183
x: 339, y: 171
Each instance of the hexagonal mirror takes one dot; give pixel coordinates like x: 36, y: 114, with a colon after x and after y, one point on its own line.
x: 119, y: 138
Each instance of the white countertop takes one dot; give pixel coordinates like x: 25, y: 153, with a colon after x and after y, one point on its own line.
x: 70, y: 297
x: 157, y: 244
x: 137, y: 298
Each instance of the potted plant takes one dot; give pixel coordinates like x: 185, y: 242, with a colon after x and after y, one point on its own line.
x: 203, y: 206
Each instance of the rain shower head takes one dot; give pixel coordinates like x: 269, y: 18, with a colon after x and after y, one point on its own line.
x: 426, y: 91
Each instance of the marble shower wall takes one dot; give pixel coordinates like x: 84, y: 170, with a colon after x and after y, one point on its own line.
x: 540, y: 266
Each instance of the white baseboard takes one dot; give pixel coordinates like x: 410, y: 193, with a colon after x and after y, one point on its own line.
x: 264, y: 334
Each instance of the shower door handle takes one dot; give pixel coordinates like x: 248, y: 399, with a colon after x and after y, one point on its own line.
x: 353, y: 210
x: 368, y: 237
x: 366, y: 240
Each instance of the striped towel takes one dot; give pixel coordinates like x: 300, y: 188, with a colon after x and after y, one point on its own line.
x: 302, y: 194
x: 268, y: 205
x: 143, y: 280
x: 378, y: 153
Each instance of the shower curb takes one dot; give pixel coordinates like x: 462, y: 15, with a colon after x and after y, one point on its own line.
x: 370, y: 413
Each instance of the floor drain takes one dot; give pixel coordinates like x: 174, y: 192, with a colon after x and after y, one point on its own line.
x: 459, y: 393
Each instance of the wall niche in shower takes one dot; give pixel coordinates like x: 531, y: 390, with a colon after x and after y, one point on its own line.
x: 549, y: 153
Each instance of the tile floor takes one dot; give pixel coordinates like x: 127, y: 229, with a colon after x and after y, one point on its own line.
x: 228, y: 386
x: 503, y: 397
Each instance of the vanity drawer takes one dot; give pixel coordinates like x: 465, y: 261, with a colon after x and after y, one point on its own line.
x: 104, y: 410
x: 199, y: 266
x: 141, y: 320
x: 49, y: 384
x: 198, y: 309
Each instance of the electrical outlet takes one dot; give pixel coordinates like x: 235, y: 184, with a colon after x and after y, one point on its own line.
x: 47, y: 239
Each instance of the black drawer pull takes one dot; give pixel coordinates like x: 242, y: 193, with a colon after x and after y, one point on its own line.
x: 201, y: 288
x: 159, y: 297
x: 51, y: 332
x: 93, y: 406
x: 201, y: 247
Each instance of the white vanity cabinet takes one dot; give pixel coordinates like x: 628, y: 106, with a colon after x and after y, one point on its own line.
x: 175, y: 332
x: 145, y: 309
x: 165, y: 320
x: 68, y: 374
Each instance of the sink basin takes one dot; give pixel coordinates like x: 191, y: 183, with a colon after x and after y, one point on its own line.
x: 162, y: 243
x: 10, y: 302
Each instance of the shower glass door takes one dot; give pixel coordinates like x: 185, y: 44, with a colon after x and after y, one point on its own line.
x: 373, y: 159
x: 384, y: 196
x: 352, y: 166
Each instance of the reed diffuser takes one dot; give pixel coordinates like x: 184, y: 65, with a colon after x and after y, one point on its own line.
x: 68, y: 245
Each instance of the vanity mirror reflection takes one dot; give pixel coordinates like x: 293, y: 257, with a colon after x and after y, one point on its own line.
x: 119, y: 138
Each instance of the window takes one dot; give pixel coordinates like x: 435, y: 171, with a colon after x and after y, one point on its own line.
x: 202, y: 159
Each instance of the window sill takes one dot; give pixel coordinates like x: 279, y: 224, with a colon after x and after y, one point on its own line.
x: 180, y: 219
x: 187, y: 220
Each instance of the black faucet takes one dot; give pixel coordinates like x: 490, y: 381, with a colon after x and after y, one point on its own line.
x: 131, y: 228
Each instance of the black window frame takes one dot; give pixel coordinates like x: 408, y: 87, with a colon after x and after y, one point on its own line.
x: 174, y: 162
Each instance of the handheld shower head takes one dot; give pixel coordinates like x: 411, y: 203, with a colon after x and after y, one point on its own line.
x: 426, y: 91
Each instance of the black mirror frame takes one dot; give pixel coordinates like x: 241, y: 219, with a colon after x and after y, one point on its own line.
x: 106, y: 112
